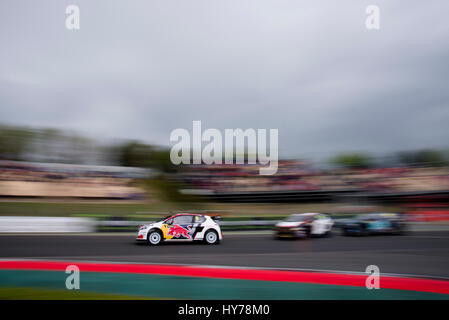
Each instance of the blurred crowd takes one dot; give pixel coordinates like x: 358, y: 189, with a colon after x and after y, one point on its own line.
x: 42, y: 162
x: 296, y: 175
x: 26, y: 179
x: 23, y: 179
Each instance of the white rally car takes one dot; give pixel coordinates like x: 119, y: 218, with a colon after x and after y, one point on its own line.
x: 304, y: 225
x: 182, y: 226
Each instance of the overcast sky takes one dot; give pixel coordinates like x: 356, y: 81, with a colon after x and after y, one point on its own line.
x: 139, y: 69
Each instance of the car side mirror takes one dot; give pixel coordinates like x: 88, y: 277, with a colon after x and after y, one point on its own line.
x: 170, y: 222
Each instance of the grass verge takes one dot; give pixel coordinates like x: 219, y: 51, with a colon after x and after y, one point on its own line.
x: 25, y: 293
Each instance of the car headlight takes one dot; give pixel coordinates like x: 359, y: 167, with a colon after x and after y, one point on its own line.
x: 142, y: 228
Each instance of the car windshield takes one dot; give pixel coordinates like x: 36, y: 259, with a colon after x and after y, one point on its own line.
x: 367, y: 216
x: 298, y: 218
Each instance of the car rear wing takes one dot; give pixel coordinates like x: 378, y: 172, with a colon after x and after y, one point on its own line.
x: 216, y: 218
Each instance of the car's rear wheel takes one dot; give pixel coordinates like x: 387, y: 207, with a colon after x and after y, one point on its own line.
x: 345, y: 232
x: 154, y: 237
x: 398, y: 229
x: 211, y: 237
x: 363, y: 230
x: 308, y: 231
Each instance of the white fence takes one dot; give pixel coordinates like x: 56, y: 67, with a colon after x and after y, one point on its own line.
x: 46, y: 224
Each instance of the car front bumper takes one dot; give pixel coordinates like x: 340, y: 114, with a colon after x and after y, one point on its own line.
x: 291, y: 233
x: 141, y: 235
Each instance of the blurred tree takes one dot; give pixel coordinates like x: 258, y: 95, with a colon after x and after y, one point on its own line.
x: 352, y: 161
x: 161, y: 160
x: 14, y: 142
x: 137, y: 154
x: 52, y: 145
x: 423, y: 158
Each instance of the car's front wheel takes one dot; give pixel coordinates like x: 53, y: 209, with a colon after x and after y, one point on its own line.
x: 154, y: 237
x: 398, y: 229
x: 363, y: 231
x: 211, y: 237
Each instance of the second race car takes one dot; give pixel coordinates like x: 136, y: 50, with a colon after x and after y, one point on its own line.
x: 182, y: 226
x: 304, y: 225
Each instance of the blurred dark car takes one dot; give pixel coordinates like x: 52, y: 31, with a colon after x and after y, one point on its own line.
x: 374, y: 223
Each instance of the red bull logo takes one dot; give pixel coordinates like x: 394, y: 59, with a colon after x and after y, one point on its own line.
x: 178, y: 231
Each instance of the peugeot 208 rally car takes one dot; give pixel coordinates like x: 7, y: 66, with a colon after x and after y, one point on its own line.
x: 182, y: 226
x: 304, y: 225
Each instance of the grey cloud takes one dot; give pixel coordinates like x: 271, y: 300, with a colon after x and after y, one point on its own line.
x: 143, y: 68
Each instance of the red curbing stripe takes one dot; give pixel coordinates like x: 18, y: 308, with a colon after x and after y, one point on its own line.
x: 401, y: 283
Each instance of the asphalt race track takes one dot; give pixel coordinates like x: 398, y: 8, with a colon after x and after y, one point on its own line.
x: 423, y: 253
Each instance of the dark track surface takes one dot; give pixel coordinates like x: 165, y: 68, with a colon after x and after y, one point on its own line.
x: 418, y: 253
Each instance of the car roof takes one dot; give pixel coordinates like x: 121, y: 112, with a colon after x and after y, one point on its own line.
x: 387, y: 215
x: 185, y: 214
x: 305, y: 214
x: 378, y: 215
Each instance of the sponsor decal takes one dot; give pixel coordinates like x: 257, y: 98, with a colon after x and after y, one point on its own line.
x: 179, y: 232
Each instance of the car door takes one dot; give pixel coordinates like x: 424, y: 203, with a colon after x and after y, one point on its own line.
x: 180, y: 227
x: 320, y: 224
x: 384, y: 224
x: 327, y: 223
x: 198, y: 227
x: 377, y: 224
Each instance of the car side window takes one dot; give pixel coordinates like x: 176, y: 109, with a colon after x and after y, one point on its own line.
x: 199, y: 219
x: 182, y: 219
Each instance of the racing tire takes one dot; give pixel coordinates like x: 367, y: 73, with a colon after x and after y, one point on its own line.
x: 363, y: 232
x: 398, y: 230
x: 308, y: 232
x: 211, y: 237
x: 154, y: 238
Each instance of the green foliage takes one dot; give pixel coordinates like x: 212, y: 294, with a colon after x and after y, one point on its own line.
x: 137, y: 154
x: 169, y: 190
x: 14, y: 142
x: 46, y: 145
x: 423, y: 158
x: 27, y: 293
x: 352, y: 161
